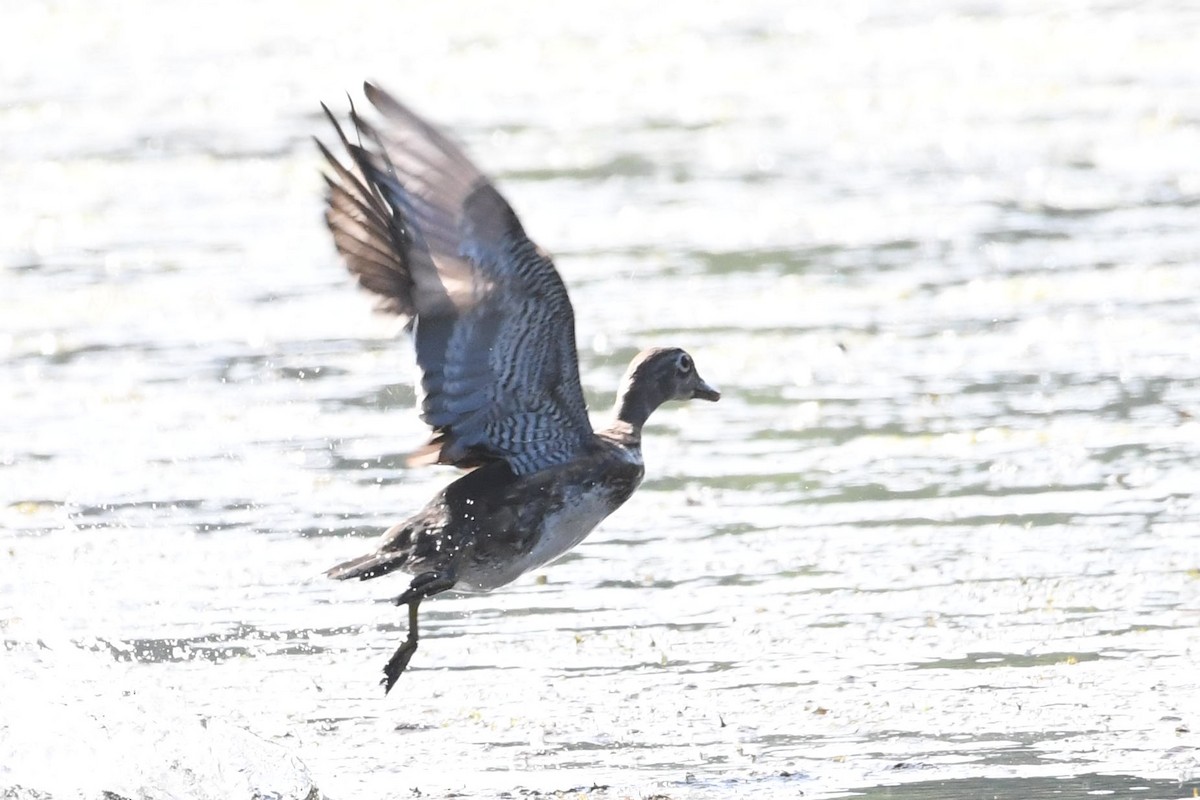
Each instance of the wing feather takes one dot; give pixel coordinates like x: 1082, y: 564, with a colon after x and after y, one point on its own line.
x: 420, y: 226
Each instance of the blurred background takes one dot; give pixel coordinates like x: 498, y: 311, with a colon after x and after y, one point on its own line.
x: 938, y: 539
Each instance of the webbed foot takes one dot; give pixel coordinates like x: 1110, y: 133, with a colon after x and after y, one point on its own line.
x: 427, y: 584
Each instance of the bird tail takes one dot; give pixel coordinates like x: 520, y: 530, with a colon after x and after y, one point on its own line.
x: 365, y: 567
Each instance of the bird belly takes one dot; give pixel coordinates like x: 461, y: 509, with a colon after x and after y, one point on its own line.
x: 560, y: 530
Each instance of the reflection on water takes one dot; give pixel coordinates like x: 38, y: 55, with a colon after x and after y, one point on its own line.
x: 937, y: 540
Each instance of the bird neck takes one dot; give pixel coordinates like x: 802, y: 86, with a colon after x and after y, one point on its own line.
x: 633, y: 407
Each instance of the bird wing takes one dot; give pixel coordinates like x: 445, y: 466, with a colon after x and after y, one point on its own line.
x: 421, y: 227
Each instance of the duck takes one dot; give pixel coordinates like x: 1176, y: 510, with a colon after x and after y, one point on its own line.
x: 419, y: 226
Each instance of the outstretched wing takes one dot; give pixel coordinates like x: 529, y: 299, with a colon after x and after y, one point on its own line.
x: 419, y: 225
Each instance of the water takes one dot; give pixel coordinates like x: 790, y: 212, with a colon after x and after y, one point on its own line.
x: 937, y: 540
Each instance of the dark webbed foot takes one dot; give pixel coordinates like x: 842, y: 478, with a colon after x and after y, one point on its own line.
x: 404, y: 653
x: 427, y: 584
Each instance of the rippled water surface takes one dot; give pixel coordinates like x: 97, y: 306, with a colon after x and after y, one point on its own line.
x: 938, y: 540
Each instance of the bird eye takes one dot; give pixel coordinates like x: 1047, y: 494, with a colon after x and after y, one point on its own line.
x: 684, y: 363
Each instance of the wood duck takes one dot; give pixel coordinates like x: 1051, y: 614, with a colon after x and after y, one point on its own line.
x: 421, y: 227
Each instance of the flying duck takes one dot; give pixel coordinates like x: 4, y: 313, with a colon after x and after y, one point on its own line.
x: 420, y: 226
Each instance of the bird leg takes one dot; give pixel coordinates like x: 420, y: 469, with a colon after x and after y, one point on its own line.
x: 427, y: 584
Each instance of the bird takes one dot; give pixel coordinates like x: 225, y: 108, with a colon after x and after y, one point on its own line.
x: 424, y: 230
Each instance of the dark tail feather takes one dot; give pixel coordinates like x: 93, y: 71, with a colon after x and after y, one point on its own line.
x: 369, y: 566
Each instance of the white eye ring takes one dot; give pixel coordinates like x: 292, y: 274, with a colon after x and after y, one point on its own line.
x: 684, y: 363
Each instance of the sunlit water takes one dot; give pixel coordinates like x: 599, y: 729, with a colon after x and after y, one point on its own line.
x: 938, y: 539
